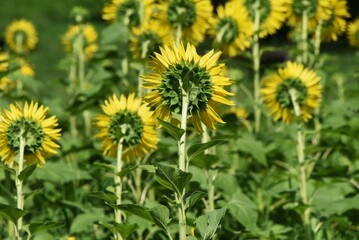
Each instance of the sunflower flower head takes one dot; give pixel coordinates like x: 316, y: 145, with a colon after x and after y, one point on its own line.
x: 176, y: 69
x: 272, y: 14
x: 336, y: 24
x: 353, y: 33
x: 292, y: 83
x: 190, y: 16
x: 148, y: 38
x: 85, y: 31
x: 317, y: 10
x: 128, y: 121
x: 30, y: 122
x: 130, y: 12
x: 232, y: 29
x: 21, y: 36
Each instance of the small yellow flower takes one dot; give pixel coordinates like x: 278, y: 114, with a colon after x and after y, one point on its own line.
x: 21, y: 36
x: 40, y: 133
x: 6, y: 85
x: 4, y: 61
x: 201, y: 77
x: 89, y: 34
x: 353, y: 33
x: 232, y: 29
x: 277, y: 92
x: 129, y: 120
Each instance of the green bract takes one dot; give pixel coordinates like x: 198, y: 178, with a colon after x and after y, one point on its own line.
x: 283, y: 96
x: 181, y: 13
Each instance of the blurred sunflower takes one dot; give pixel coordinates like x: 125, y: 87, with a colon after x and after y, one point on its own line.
x: 353, y: 33
x: 272, y: 14
x: 316, y: 10
x: 148, y: 38
x: 4, y: 61
x: 232, y: 29
x: 88, y: 32
x: 190, y: 16
x: 6, y: 85
x: 21, y: 36
x: 336, y: 24
x: 131, y: 12
x: 277, y: 92
x: 129, y: 120
x: 201, y: 77
x: 40, y: 133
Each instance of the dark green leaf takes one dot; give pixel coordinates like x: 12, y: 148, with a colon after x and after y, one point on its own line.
x: 198, y: 148
x: 125, y: 229
x: 42, y: 226
x: 136, y: 210
x: 6, y: 168
x: 253, y: 147
x: 205, y: 161
x: 161, y: 216
x: 84, y: 222
x: 125, y: 171
x: 194, y: 198
x: 104, y: 165
x: 107, y: 197
x: 172, y: 178
x: 26, y: 173
x: 172, y: 129
x: 11, y: 213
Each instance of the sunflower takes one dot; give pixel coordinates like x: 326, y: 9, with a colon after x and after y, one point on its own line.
x: 6, y: 85
x: 336, y: 24
x: 21, y: 36
x: 277, y: 92
x: 131, y: 12
x: 272, y: 14
x: 129, y: 120
x: 232, y: 29
x: 316, y: 10
x: 192, y: 17
x: 148, y: 38
x: 201, y: 77
x: 89, y: 34
x: 39, y: 132
x: 4, y: 61
x: 353, y: 33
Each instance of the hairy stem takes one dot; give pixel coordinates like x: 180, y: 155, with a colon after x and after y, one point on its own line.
x: 118, y: 185
x: 304, y: 32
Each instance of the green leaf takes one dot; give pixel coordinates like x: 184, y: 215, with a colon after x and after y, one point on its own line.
x: 42, y: 226
x: 6, y: 168
x: 107, y: 197
x: 172, y: 178
x: 125, y: 171
x: 125, y: 229
x: 11, y: 213
x: 243, y: 210
x: 114, y: 33
x: 104, y: 165
x: 26, y: 173
x: 252, y: 146
x: 205, y: 161
x: 84, y: 222
x: 136, y: 210
x: 172, y: 129
x: 148, y: 168
x: 161, y: 216
x: 194, y: 198
x: 207, y: 225
x: 198, y: 148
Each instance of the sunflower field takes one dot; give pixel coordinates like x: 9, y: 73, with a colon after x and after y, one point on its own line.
x: 179, y: 119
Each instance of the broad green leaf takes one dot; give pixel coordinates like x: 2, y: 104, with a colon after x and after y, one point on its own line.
x: 205, y: 161
x: 6, y: 168
x: 198, y: 148
x: 172, y: 178
x: 104, y: 165
x: 83, y: 222
x: 136, y: 210
x: 253, y: 147
x: 114, y: 33
x: 161, y: 216
x: 194, y: 198
x: 172, y: 129
x: 148, y: 168
x: 26, y: 173
x: 125, y: 171
x: 125, y: 229
x: 10, y: 213
x: 107, y: 197
x: 207, y: 225
x: 243, y: 210
x: 42, y: 226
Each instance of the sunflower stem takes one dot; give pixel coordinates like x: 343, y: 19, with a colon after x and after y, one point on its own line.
x: 183, y: 165
x: 118, y: 185
x: 19, y: 39
x: 302, y: 166
x: 256, y: 66
x: 304, y: 32
x: 140, y: 81
x: 178, y: 35
x: 19, y: 182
